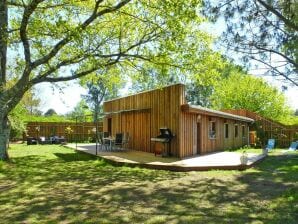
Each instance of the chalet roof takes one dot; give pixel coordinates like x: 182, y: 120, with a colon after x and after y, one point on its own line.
x: 145, y: 91
x: 207, y: 111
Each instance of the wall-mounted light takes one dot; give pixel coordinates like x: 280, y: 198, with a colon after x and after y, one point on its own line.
x: 199, y: 118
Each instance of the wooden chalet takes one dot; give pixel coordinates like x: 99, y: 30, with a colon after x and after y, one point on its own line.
x: 196, y: 130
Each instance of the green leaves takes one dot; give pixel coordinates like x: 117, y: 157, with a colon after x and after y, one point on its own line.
x: 240, y: 91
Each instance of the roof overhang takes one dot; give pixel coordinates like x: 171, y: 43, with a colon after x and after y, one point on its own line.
x: 206, y: 111
x: 126, y: 111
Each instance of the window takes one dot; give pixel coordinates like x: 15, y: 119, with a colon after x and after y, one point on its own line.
x: 236, y: 130
x: 212, y: 129
x: 243, y: 131
x: 226, y: 130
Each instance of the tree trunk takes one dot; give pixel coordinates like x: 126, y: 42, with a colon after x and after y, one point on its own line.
x: 4, y: 137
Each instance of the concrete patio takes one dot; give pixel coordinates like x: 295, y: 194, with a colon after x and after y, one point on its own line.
x: 220, y: 160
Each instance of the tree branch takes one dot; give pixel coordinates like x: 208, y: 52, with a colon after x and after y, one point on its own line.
x: 291, y: 61
x: 74, y: 76
x: 279, y: 15
x: 29, y: 9
x: 277, y: 71
x: 83, y: 26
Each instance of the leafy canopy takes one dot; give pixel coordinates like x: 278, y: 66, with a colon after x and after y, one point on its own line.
x: 240, y: 91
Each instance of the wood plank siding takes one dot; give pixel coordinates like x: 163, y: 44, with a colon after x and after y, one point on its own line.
x: 193, y: 124
x: 142, y: 115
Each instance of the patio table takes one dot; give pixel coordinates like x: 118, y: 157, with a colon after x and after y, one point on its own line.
x: 110, y: 140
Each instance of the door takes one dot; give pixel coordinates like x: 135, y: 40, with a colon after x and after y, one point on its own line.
x: 110, y: 126
x: 198, y: 138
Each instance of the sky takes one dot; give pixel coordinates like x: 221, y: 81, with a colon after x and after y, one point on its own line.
x: 61, y: 101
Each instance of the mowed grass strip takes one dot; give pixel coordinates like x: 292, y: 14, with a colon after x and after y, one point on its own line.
x: 54, y: 184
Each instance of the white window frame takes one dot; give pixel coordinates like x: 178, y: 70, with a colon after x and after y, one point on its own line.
x: 212, y: 133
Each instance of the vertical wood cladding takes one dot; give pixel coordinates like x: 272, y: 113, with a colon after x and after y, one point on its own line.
x: 143, y: 114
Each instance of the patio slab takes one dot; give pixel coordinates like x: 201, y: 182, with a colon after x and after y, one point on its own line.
x: 219, y: 160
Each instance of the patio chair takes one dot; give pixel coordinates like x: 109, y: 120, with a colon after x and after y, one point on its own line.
x: 104, y: 144
x: 271, y: 144
x: 293, y: 146
x: 31, y: 141
x: 118, y: 144
x: 43, y: 140
x: 106, y: 134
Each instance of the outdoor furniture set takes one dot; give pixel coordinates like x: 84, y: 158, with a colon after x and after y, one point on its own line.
x: 111, y: 143
x: 43, y: 140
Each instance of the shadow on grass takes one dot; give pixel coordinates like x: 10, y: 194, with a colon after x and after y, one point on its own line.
x: 88, y: 190
x: 76, y: 156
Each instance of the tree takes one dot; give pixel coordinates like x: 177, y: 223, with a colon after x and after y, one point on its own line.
x: 79, y: 112
x: 31, y: 102
x: 50, y: 112
x: 212, y: 70
x: 101, y: 86
x: 240, y: 91
x: 264, y: 32
x: 97, y: 92
x: 17, y: 121
x: 51, y: 41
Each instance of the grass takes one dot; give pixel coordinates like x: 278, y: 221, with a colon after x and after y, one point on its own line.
x: 53, y: 184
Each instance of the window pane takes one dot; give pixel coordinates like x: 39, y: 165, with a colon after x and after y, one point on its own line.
x: 226, y: 130
x: 212, y: 129
x: 236, y: 131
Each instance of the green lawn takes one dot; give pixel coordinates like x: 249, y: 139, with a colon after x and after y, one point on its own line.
x: 53, y: 184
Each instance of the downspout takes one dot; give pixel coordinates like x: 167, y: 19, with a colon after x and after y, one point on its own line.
x: 248, y: 143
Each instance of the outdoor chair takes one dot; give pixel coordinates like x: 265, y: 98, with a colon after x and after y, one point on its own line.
x: 118, y: 144
x: 106, y: 134
x: 104, y: 144
x: 31, y: 141
x: 42, y: 140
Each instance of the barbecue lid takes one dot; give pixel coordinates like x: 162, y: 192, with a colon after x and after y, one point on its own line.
x: 165, y: 131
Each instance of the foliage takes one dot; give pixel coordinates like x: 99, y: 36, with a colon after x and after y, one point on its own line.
x: 50, y: 112
x: 17, y: 118
x: 289, y: 120
x: 31, y: 102
x: 53, y: 184
x: 101, y: 87
x: 200, y: 86
x: 240, y: 91
x: 80, y: 112
x: 53, y: 118
x: 264, y: 32
x: 17, y: 122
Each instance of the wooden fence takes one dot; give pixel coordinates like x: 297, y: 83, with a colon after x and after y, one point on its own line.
x: 283, y: 134
x: 80, y: 132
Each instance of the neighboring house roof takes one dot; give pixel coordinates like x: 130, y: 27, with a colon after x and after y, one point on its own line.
x: 203, y: 110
